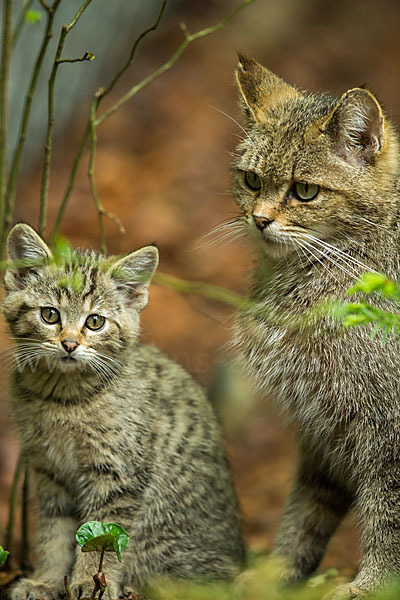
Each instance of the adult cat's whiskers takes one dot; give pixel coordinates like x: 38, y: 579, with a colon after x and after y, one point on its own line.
x: 236, y: 123
x: 227, y: 231
x: 307, y: 248
x: 349, y: 260
x: 372, y: 222
x: 328, y: 255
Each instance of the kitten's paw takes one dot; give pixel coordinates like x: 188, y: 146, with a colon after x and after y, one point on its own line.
x: 345, y: 591
x: 82, y: 589
x: 28, y: 589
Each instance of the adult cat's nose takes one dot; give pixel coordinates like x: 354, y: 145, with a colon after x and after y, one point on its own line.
x: 262, y: 222
x: 69, y: 345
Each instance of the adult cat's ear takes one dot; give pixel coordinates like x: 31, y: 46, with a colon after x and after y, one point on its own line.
x: 25, y: 252
x: 259, y: 88
x: 133, y: 274
x: 356, y: 125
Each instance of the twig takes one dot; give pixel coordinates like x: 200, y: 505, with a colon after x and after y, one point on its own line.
x: 189, y: 38
x: 67, y: 588
x: 50, y: 121
x: 95, y: 122
x: 207, y: 290
x: 4, y: 77
x: 9, y: 537
x: 101, y: 93
x: 97, y: 201
x: 20, y: 20
x: 16, y: 160
x: 136, y: 43
x: 71, y: 181
x: 26, y: 565
x: 87, y: 56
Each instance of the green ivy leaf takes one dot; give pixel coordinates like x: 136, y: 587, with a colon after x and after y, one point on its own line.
x: 33, y: 16
x: 3, y: 555
x: 95, y: 536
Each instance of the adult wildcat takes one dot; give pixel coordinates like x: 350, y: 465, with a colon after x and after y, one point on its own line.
x: 113, y: 430
x: 317, y: 179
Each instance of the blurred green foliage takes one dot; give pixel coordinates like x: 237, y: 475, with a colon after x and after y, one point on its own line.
x: 259, y: 582
x: 365, y: 313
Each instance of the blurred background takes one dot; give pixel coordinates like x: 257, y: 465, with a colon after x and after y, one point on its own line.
x: 163, y: 168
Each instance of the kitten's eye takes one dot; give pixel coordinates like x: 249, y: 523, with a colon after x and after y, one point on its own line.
x: 95, y: 322
x: 252, y: 180
x: 50, y: 315
x: 305, y: 191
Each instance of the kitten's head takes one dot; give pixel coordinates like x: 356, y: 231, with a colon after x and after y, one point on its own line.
x: 75, y: 311
x: 312, y: 167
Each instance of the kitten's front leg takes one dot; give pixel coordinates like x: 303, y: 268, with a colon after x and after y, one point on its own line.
x: 54, y: 543
x: 104, y: 501
x: 313, y: 511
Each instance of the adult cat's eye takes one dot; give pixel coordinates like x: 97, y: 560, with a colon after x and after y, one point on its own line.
x: 50, y: 315
x: 305, y: 191
x: 252, y: 180
x: 95, y: 322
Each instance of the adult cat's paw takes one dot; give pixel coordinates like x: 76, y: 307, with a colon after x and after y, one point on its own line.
x: 29, y: 589
x: 345, y: 591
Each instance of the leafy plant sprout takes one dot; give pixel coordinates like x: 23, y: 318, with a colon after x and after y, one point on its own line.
x: 94, y: 536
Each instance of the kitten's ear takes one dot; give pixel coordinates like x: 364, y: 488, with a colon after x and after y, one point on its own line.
x: 27, y: 250
x: 133, y: 274
x: 259, y: 88
x: 357, y: 126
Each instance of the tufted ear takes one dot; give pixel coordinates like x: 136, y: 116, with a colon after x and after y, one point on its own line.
x: 356, y: 125
x: 27, y: 250
x: 133, y: 274
x: 259, y: 88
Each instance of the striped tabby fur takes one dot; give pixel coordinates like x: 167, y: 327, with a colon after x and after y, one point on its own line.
x: 120, y: 434
x: 317, y: 180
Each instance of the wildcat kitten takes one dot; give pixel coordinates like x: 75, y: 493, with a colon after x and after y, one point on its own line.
x: 317, y: 179
x: 113, y: 430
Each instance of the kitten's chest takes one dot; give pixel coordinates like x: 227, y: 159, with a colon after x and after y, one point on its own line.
x: 68, y: 440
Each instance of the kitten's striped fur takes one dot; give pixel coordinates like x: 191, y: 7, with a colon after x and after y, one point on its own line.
x: 122, y: 435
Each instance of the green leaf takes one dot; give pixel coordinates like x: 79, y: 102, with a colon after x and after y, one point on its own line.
x: 33, y: 16
x: 3, y: 555
x: 95, y: 536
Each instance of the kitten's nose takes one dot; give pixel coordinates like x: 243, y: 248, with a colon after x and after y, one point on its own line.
x: 262, y: 222
x: 69, y: 345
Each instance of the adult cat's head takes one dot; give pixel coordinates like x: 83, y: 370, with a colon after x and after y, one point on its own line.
x: 313, y: 170
x: 76, y: 311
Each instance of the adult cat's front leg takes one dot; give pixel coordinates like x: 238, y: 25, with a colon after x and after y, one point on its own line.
x: 313, y: 511
x: 54, y: 543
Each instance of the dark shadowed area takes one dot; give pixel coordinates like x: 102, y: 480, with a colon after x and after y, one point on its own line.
x: 163, y: 168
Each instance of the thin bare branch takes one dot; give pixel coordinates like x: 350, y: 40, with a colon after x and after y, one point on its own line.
x: 16, y: 159
x: 189, y: 38
x: 4, y: 77
x: 71, y: 181
x: 87, y: 56
x: 26, y: 564
x: 104, y: 91
x: 20, y: 20
x: 97, y: 201
x: 50, y: 121
x: 101, y: 93
x: 9, y: 538
x: 136, y: 43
